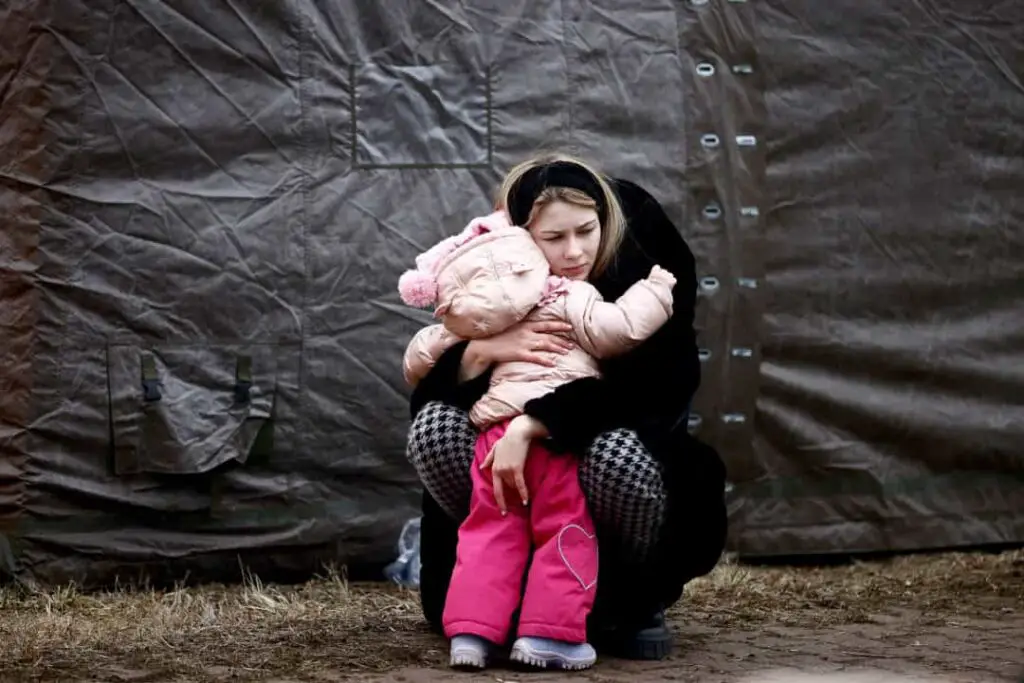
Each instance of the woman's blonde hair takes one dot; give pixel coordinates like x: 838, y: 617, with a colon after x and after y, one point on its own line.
x: 612, y: 230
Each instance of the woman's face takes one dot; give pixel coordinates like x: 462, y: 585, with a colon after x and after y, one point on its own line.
x: 569, y: 236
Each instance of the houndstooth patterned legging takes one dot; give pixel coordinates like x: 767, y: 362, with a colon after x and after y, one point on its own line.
x: 620, y: 479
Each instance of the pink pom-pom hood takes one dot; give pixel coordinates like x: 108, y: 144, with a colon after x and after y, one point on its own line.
x: 418, y: 286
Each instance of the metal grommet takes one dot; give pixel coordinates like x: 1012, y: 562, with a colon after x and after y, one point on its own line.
x: 704, y: 355
x: 751, y: 211
x: 747, y: 282
x: 746, y: 140
x: 713, y: 211
x: 742, y: 69
x: 742, y: 352
x: 693, y: 422
x: 734, y: 418
x: 706, y: 69
x: 698, y: 3
x: 709, y: 140
x: 709, y: 284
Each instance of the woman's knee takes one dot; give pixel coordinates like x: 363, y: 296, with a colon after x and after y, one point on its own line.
x: 439, y: 434
x: 440, y: 448
x: 619, y: 465
x: 625, y: 491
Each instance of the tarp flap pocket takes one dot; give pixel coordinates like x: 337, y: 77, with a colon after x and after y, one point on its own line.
x: 188, y: 409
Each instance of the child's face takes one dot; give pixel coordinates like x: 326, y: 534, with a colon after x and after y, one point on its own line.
x: 569, y: 236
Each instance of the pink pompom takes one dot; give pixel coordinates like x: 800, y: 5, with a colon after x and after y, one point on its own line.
x: 417, y: 288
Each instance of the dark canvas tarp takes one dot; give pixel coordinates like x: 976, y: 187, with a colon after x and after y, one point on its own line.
x: 889, y: 401
x: 205, y: 208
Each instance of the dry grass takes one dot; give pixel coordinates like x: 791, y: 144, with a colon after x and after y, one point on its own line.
x: 201, y: 633
x: 976, y: 585
x: 259, y: 631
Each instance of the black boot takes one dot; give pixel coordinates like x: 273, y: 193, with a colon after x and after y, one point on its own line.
x: 647, y: 639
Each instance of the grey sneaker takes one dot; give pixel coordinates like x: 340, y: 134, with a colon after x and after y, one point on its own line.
x: 469, y: 652
x: 544, y: 652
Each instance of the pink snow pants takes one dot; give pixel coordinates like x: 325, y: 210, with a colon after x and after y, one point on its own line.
x: 493, y: 553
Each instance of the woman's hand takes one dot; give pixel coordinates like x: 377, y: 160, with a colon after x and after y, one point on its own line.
x: 530, y: 342
x: 507, y: 458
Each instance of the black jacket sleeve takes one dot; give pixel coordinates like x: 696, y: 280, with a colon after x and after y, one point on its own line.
x: 442, y: 383
x: 650, y: 388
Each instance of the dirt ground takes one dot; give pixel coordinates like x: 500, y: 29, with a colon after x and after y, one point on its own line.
x: 957, y: 617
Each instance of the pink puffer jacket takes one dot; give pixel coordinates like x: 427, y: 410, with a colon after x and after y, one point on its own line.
x: 491, y: 278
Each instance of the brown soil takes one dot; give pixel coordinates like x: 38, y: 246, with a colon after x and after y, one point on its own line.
x: 958, y: 617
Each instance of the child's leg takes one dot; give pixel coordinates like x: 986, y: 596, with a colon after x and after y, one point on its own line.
x: 562, y: 581
x: 490, y: 561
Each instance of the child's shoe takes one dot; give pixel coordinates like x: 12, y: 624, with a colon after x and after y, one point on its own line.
x: 557, y: 654
x: 469, y: 652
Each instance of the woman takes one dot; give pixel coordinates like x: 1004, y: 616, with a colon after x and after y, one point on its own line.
x: 655, y: 492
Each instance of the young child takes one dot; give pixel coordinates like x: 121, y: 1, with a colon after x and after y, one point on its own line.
x: 482, y: 281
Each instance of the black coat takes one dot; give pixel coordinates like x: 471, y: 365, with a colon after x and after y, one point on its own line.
x: 649, y: 390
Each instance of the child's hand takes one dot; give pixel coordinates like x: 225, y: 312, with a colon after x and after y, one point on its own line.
x: 661, y: 276
x: 507, y: 459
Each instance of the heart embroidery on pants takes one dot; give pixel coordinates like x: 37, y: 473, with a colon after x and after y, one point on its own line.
x: 579, y: 553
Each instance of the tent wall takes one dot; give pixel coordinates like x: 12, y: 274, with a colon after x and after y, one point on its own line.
x: 203, y: 193
x: 889, y: 411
